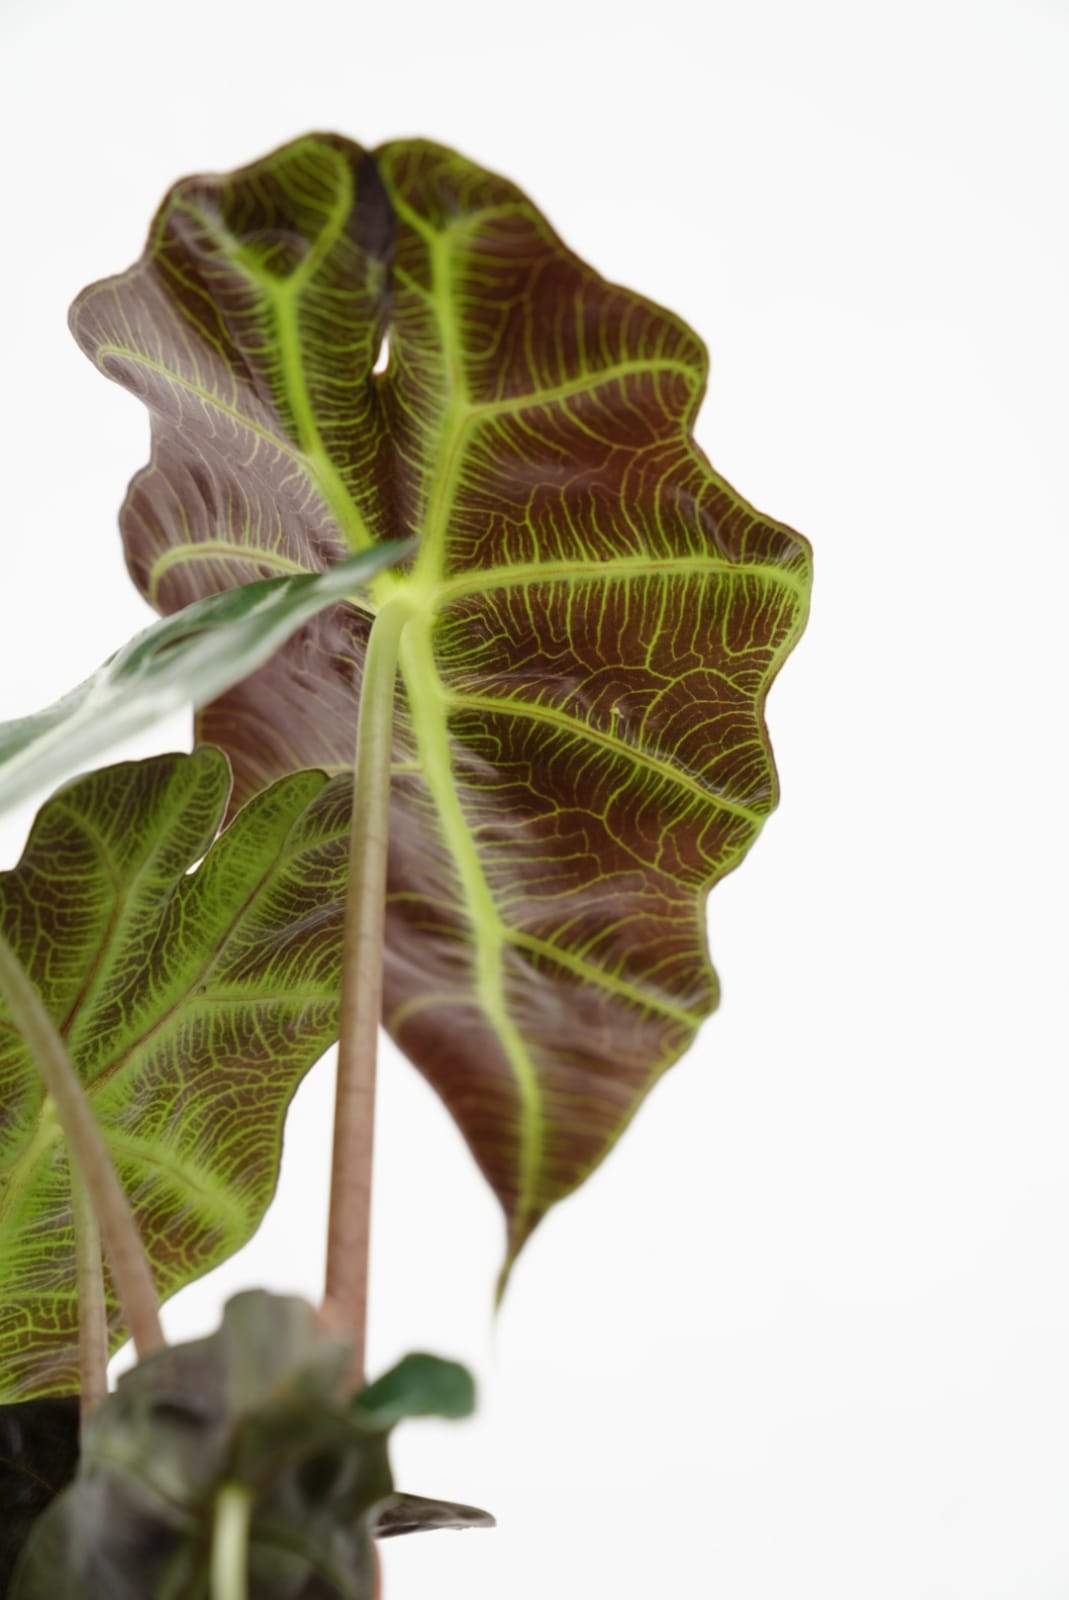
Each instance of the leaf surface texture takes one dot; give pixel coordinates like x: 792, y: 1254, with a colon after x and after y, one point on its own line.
x: 192, y: 1003
x: 596, y: 616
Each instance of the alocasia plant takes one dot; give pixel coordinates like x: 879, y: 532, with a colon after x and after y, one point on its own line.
x: 486, y: 643
x: 587, y: 633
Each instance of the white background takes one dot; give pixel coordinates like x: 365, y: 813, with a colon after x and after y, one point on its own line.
x: 807, y: 1333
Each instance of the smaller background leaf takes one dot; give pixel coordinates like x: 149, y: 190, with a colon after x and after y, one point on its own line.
x: 192, y: 1004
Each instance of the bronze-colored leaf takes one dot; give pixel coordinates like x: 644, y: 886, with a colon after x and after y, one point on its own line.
x: 259, y: 1409
x: 595, y: 615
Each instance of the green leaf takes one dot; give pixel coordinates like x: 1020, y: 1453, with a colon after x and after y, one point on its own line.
x: 419, y: 1386
x: 38, y: 1458
x: 261, y: 1406
x: 597, y: 616
x: 39, y: 1445
x: 191, y: 657
x: 192, y: 1004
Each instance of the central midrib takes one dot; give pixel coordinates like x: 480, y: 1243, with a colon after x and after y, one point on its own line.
x: 19, y: 1176
x: 428, y: 705
x: 428, y: 709
x: 283, y: 300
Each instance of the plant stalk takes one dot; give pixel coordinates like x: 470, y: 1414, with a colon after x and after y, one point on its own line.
x: 230, y: 1542
x: 88, y: 1153
x: 92, y: 1309
x: 349, y: 1228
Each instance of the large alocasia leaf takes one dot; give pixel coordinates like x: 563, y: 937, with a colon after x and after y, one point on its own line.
x: 581, y: 750
x: 188, y: 658
x: 262, y: 1406
x: 192, y: 1004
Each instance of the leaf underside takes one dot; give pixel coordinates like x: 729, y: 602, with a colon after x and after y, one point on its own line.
x: 192, y: 1004
x: 580, y: 750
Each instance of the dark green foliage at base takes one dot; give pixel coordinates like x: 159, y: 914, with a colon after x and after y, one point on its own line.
x: 260, y: 1404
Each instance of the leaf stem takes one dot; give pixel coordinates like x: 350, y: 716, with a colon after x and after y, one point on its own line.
x: 126, y: 1257
x: 348, y: 1235
x: 92, y: 1308
x: 230, y: 1542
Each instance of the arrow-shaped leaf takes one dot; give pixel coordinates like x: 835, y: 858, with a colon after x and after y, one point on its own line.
x: 192, y: 1004
x: 185, y: 659
x: 581, y: 747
